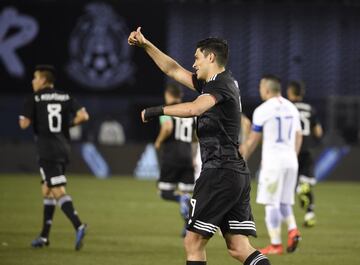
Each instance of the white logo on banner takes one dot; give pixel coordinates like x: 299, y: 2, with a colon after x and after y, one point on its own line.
x: 98, y: 49
x: 25, y: 30
x: 147, y: 167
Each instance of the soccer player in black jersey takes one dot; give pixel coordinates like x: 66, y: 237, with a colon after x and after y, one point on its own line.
x: 52, y: 112
x: 174, y: 144
x: 221, y: 196
x: 312, y: 132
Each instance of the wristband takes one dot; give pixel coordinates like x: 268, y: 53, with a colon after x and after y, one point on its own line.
x: 153, y: 112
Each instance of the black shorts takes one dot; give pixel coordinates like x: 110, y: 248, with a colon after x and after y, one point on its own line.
x: 53, y: 173
x: 172, y: 177
x: 222, y: 200
x: 306, y: 164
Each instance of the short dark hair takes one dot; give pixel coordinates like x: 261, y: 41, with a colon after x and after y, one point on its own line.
x: 174, y: 90
x: 297, y: 87
x: 217, y: 46
x: 47, y: 71
x: 275, y: 82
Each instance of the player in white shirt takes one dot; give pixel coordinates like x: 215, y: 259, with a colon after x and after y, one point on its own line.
x: 277, y: 123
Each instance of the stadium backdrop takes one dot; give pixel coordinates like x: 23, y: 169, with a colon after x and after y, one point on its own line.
x: 86, y: 41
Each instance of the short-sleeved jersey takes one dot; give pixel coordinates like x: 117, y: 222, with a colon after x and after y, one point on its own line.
x: 278, y: 120
x: 176, y: 150
x: 309, y: 120
x: 218, y: 128
x: 51, y: 112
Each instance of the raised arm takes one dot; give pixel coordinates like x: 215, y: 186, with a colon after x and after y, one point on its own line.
x: 166, y: 64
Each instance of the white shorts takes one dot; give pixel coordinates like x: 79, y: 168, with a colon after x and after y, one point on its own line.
x: 277, y: 186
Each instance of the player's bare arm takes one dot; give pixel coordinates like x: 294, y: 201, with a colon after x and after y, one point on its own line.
x: 166, y: 64
x: 245, y: 128
x: 298, y: 141
x: 81, y: 116
x: 165, y: 131
x: 183, y: 110
x: 24, y: 122
x: 250, y: 145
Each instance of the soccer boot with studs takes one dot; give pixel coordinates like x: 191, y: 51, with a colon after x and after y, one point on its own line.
x: 294, y: 238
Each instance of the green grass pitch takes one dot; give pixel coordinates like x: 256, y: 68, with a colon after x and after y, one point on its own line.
x: 129, y: 224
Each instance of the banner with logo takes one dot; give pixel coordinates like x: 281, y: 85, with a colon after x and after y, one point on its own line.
x: 85, y: 41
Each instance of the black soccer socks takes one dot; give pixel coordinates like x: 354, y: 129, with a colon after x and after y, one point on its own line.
x: 49, y: 209
x: 256, y: 258
x: 67, y: 206
x: 195, y: 262
x: 169, y: 195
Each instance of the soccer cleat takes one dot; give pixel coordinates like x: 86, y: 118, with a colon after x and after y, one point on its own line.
x: 185, y: 205
x: 40, y: 242
x: 293, y: 240
x: 272, y: 250
x: 80, y: 234
x: 309, y: 219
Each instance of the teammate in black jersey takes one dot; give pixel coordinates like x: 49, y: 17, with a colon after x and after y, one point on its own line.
x: 175, y: 154
x: 312, y: 132
x: 222, y: 193
x: 52, y: 112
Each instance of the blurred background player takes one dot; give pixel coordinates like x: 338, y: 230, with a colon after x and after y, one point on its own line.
x: 312, y: 132
x: 174, y: 144
x: 52, y: 112
x: 277, y: 123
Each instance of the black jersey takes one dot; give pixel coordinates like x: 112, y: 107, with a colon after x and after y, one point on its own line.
x: 51, y: 112
x: 309, y: 120
x: 176, y: 150
x: 218, y: 128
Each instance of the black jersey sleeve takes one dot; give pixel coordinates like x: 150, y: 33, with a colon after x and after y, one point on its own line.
x: 198, y: 84
x: 28, y: 108
x: 75, y: 106
x: 217, y: 90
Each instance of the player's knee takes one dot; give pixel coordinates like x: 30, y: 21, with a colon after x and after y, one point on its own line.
x: 193, y: 243
x: 46, y: 191
x: 58, y: 192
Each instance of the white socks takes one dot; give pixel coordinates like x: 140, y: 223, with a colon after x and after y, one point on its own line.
x: 274, y: 215
x: 288, y: 216
x: 273, y: 223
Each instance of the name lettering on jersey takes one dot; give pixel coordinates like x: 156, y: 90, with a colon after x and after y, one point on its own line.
x: 51, y: 97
